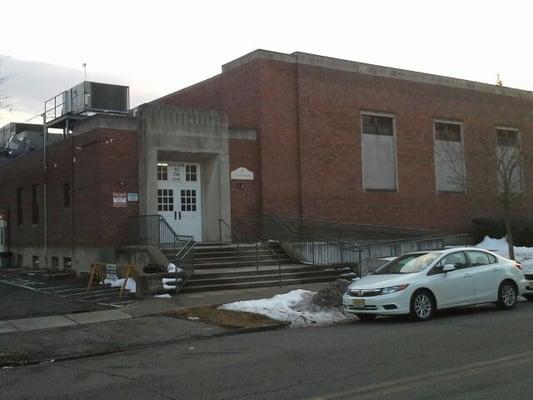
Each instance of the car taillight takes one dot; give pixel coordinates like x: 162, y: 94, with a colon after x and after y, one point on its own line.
x: 518, y: 265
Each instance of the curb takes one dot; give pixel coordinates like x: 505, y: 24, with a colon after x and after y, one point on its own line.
x: 234, y: 332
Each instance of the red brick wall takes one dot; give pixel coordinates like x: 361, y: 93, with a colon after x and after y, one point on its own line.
x: 330, y: 110
x: 98, y: 170
x: 309, y: 125
x: 237, y: 94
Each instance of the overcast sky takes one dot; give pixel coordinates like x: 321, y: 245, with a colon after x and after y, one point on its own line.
x: 157, y: 47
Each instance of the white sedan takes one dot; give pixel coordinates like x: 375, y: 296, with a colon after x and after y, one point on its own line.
x: 419, y: 285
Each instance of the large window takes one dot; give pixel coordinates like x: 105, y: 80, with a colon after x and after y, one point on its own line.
x: 449, y: 157
x: 20, y: 214
x: 35, y: 204
x: 509, y: 160
x: 378, y: 152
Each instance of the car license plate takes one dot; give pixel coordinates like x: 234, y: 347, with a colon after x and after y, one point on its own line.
x: 359, y: 303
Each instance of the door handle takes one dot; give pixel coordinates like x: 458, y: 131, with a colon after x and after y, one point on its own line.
x: 179, y: 214
x: 175, y: 215
x: 468, y: 276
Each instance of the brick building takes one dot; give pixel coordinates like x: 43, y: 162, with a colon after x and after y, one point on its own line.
x: 273, y: 134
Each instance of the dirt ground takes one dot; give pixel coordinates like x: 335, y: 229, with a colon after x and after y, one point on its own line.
x: 225, y: 318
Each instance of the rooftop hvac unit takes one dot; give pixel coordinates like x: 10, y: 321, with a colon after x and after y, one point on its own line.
x: 88, y: 96
x: 96, y: 96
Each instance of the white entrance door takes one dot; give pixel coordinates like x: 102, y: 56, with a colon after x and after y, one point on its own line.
x: 3, y: 235
x: 179, y: 197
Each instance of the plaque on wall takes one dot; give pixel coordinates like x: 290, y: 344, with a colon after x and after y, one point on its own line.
x: 242, y: 173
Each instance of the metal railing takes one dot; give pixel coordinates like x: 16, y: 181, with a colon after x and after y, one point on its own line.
x: 241, y: 237
x: 154, y: 230
x: 334, y: 244
x: 309, y: 245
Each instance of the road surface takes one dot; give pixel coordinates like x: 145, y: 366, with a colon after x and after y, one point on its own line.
x: 469, y: 354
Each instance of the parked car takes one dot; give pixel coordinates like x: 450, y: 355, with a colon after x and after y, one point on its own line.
x: 419, y: 285
x: 527, y: 268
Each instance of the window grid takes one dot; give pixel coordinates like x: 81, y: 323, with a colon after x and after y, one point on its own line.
x: 378, y: 125
x: 507, y: 137
x: 162, y: 172
x: 165, y: 199
x: 190, y: 173
x: 188, y: 200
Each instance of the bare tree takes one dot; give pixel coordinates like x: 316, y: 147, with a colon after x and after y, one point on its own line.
x: 507, y: 156
x: 3, y: 98
x: 503, y: 155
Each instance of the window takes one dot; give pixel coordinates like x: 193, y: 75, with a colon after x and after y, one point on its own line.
x: 20, y: 214
x: 162, y: 172
x: 478, y: 258
x: 458, y: 260
x: 35, y: 204
x: 67, y: 263
x: 190, y: 173
x: 188, y: 200
x: 66, y: 195
x: 165, y: 199
x: 20, y: 260
x: 35, y: 261
x: 509, y: 160
x: 449, y: 157
x: 55, y: 262
x: 378, y: 152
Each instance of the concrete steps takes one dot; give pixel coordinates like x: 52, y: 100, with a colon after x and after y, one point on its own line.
x: 249, y: 266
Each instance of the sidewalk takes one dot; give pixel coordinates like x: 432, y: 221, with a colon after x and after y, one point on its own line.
x: 90, y: 339
x: 139, y: 324
x: 57, y: 321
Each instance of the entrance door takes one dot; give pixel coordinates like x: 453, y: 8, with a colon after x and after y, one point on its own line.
x: 179, y: 197
x: 3, y: 235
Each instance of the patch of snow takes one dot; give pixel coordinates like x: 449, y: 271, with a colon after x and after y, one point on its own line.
x: 499, y: 246
x: 172, y: 268
x: 169, y: 287
x: 163, y: 296
x: 130, y: 285
x: 294, y: 307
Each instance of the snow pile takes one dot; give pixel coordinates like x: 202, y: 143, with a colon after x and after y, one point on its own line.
x: 295, y: 307
x: 171, y: 268
x: 130, y: 285
x: 163, y: 296
x: 499, y: 246
x: 170, y: 283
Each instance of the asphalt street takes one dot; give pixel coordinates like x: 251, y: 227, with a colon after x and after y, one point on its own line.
x: 480, y: 353
x: 17, y: 302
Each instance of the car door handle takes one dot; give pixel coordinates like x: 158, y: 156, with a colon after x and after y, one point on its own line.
x: 468, y: 276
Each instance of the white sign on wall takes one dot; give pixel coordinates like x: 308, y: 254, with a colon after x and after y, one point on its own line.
x: 120, y: 199
x: 242, y: 173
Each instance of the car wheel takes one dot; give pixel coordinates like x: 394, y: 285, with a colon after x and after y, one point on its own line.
x: 507, y: 295
x: 366, y: 317
x: 422, y: 306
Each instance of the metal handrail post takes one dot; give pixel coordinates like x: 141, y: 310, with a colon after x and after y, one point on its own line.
x: 256, y: 258
x: 220, y: 232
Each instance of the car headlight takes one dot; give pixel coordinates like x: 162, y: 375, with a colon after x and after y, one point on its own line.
x: 393, y: 289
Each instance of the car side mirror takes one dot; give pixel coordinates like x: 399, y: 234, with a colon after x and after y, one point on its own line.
x: 448, y: 268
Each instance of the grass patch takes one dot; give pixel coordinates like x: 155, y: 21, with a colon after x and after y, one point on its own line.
x: 225, y: 318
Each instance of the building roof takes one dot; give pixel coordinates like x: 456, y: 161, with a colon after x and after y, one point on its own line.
x: 375, y: 70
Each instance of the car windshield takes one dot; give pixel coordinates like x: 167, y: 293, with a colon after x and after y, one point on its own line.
x: 408, y: 264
